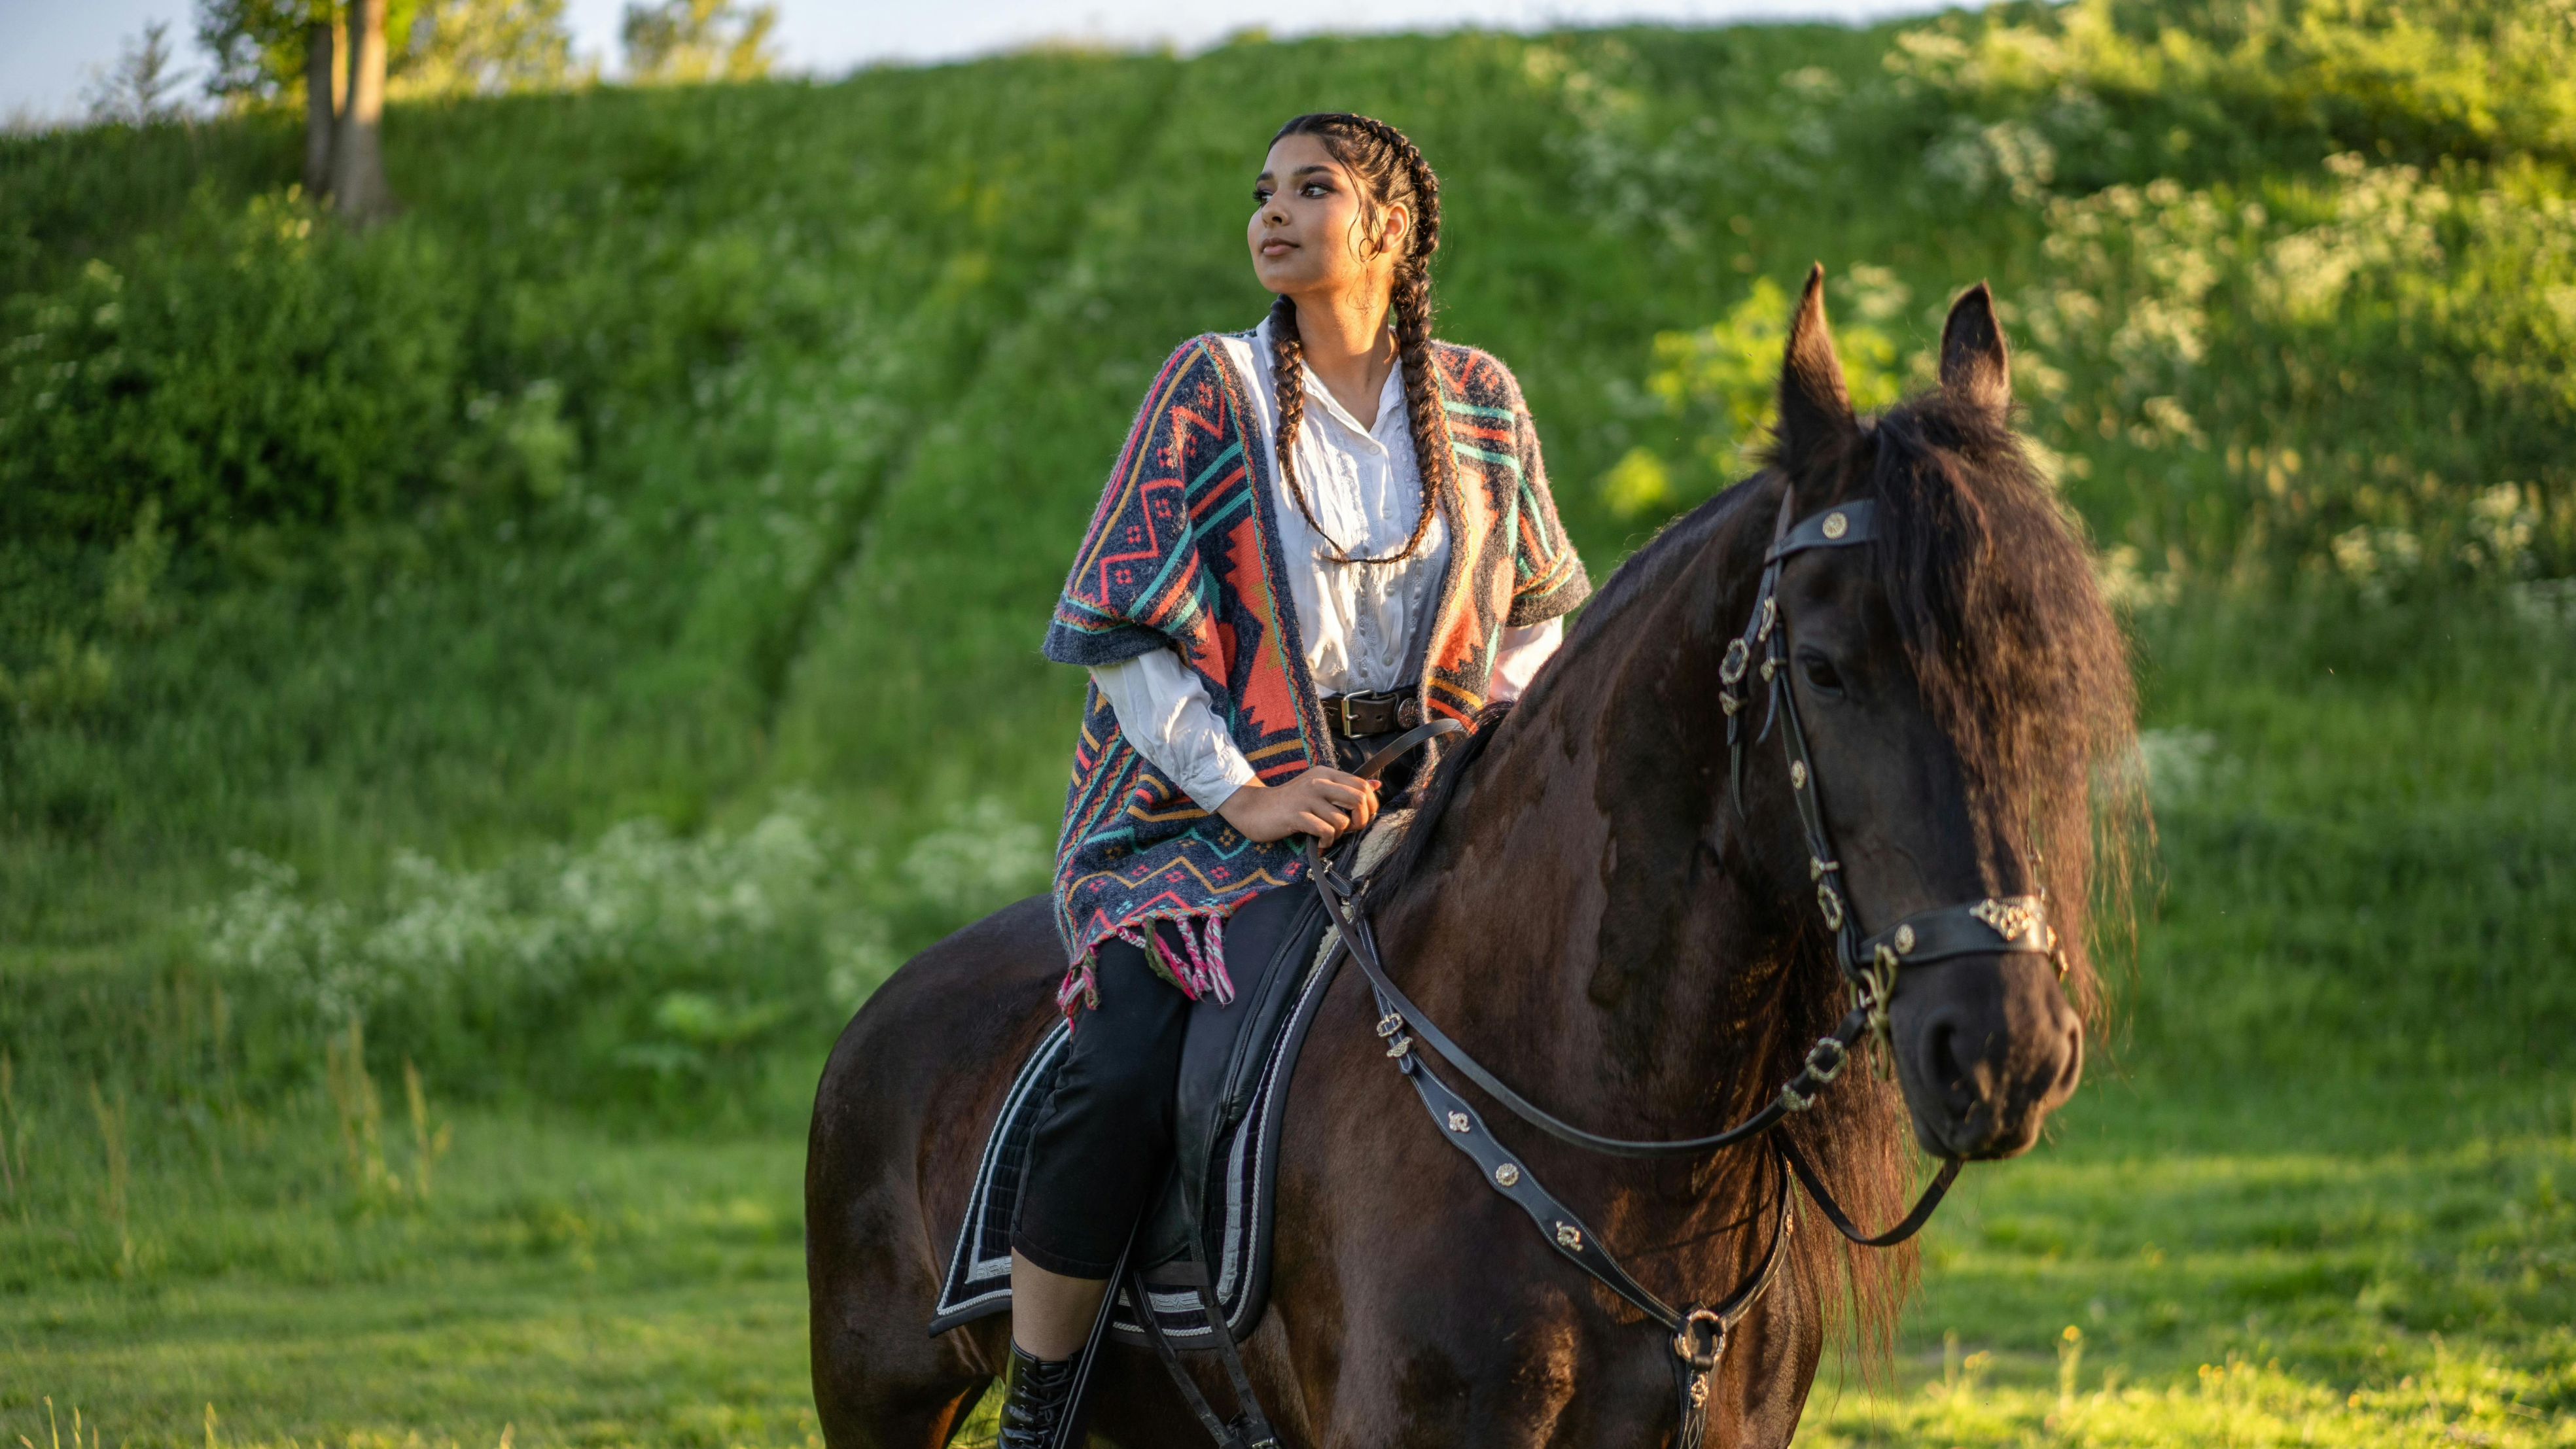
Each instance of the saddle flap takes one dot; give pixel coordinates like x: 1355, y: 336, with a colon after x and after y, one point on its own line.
x: 1223, y: 1050
x: 1222, y: 1055
x: 1231, y: 1099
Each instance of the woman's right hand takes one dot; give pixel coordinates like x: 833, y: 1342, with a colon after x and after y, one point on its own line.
x: 1324, y: 803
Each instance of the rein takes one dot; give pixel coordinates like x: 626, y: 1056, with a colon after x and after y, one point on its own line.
x: 1992, y: 926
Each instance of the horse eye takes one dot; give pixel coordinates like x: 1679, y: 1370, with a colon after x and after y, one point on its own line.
x: 1820, y: 672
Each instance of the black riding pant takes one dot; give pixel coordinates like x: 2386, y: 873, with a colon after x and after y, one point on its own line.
x: 1103, y: 1144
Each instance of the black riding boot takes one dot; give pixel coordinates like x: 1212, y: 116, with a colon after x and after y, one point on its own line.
x: 1038, y: 1402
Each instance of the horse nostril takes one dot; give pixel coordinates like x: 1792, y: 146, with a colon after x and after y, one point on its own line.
x: 2072, y: 1070
x: 1949, y: 1074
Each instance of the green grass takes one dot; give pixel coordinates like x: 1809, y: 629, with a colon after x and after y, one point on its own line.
x: 556, y: 1285
x: 576, y: 1289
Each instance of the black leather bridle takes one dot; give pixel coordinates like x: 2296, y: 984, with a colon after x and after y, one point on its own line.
x: 1992, y: 926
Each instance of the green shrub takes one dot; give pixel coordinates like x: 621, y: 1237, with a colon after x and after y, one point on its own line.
x: 252, y: 366
x: 642, y: 969
x: 2366, y: 373
x: 2103, y: 91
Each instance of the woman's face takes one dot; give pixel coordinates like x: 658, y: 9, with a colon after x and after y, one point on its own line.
x: 1306, y: 233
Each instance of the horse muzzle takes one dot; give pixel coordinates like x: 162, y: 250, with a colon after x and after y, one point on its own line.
x: 1986, y: 1047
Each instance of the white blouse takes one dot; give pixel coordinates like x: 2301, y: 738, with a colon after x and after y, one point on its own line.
x: 1365, y: 626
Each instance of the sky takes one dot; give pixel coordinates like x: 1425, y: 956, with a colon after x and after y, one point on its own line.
x: 50, y: 48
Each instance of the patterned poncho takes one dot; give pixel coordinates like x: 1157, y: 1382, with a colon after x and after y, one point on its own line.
x: 1184, y: 554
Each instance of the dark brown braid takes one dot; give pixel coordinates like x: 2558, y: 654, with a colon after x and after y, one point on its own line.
x: 1391, y: 167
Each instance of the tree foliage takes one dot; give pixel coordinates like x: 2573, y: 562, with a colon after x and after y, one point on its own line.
x: 435, y: 47
x: 136, y: 91
x: 681, y: 41
x: 484, y: 47
x: 258, y: 45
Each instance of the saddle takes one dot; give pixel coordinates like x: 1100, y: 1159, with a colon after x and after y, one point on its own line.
x: 1213, y: 1217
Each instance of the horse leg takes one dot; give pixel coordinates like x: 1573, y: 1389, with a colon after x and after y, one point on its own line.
x: 880, y: 1380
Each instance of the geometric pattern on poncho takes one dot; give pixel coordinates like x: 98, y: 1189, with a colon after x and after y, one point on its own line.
x: 1183, y: 554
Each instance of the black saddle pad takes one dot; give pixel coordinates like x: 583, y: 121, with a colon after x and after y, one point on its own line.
x: 1235, y: 1063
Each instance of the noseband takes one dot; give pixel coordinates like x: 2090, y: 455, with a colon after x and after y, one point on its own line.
x: 1996, y: 925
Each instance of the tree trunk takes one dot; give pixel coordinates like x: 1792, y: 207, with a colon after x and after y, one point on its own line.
x: 320, y: 115
x: 357, y: 161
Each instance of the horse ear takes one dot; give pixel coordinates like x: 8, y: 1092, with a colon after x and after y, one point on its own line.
x: 1815, y: 407
x: 1974, y: 366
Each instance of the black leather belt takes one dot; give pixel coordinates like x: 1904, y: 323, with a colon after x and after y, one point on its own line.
x: 1359, y: 716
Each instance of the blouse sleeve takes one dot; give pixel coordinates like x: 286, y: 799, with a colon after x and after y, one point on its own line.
x: 1163, y: 712
x: 1517, y: 657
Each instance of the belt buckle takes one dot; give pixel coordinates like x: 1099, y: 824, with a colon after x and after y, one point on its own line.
x: 1344, y: 702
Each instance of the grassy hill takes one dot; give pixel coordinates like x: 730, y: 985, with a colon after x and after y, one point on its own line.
x: 584, y: 633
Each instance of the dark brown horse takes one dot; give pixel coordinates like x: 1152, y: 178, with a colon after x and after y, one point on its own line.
x: 1593, y: 917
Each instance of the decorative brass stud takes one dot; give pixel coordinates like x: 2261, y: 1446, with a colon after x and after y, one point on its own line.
x: 1457, y: 1121
x: 2011, y: 920
x: 1836, y: 525
x: 1904, y: 939
x: 1797, y: 774
x: 1507, y: 1174
x: 1738, y: 658
x: 1569, y: 1236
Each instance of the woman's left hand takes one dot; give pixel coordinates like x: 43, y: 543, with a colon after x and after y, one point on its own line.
x: 1322, y: 802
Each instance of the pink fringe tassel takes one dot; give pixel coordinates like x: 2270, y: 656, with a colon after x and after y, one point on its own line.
x: 1079, y: 986
x: 1200, y: 969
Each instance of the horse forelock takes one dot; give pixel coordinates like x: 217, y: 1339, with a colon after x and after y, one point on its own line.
x: 2018, y: 657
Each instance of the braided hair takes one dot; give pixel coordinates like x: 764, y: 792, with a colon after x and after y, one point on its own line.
x: 1393, y: 173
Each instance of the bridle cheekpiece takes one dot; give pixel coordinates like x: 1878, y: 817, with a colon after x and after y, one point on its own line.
x: 1991, y: 926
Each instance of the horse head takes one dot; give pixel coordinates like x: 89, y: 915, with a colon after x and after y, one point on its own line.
x: 1960, y: 687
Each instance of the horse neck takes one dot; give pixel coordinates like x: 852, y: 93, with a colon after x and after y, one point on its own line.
x: 1583, y: 921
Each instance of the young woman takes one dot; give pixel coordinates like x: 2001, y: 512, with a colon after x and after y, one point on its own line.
x: 1319, y: 533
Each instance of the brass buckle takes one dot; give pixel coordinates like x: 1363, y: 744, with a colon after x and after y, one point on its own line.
x: 1344, y: 701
